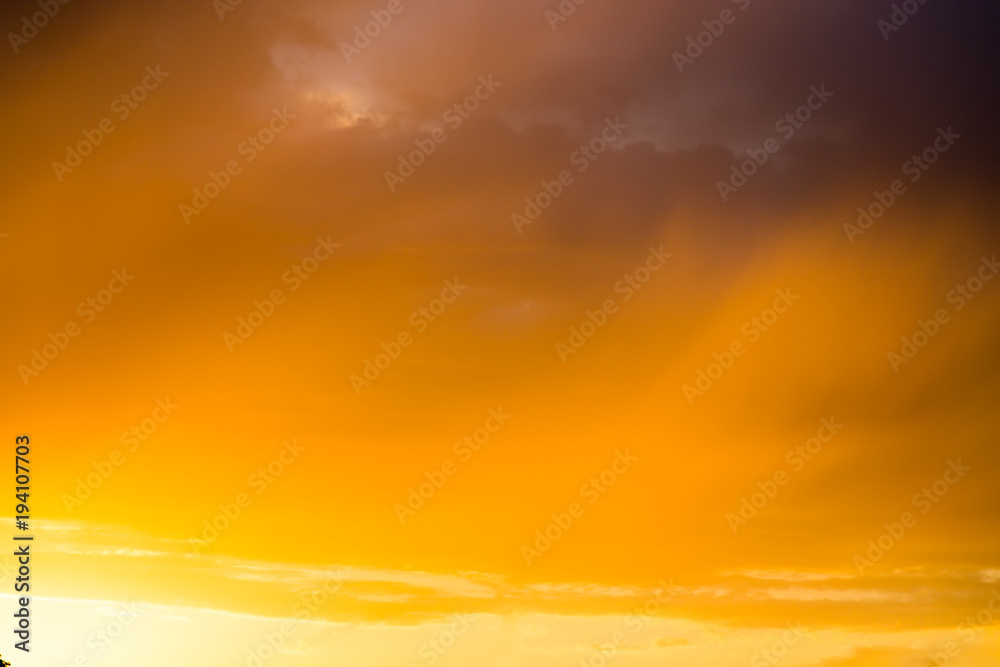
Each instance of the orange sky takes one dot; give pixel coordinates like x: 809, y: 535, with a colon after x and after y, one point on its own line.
x: 538, y: 378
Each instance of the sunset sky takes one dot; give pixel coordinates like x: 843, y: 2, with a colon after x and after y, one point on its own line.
x: 519, y: 334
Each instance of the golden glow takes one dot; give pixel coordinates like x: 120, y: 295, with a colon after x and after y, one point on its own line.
x: 396, y: 456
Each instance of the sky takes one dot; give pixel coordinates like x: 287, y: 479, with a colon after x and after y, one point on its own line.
x: 516, y: 334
